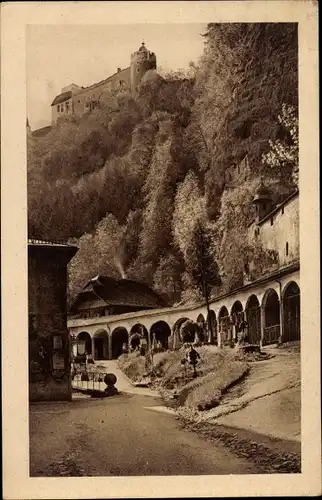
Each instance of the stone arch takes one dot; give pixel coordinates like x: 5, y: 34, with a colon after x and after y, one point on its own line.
x: 224, y: 325
x: 87, y: 339
x: 237, y: 317
x: 237, y: 312
x: 201, y: 322
x: 119, y: 337
x: 271, y: 307
x: 188, y: 330
x: 178, y: 323
x: 253, y: 318
x: 160, y: 332
x: 137, y: 333
x: 100, y: 339
x: 176, y: 330
x: 291, y: 312
x: 212, y: 320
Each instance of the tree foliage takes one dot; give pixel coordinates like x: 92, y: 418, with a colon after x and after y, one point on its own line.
x: 132, y: 181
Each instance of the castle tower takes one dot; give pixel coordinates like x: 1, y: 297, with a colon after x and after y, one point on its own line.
x: 141, y: 61
x: 262, y: 201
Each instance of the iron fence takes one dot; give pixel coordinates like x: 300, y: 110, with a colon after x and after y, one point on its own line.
x: 89, y: 380
x: 271, y: 334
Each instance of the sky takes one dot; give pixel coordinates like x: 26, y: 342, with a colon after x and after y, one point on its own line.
x: 57, y: 55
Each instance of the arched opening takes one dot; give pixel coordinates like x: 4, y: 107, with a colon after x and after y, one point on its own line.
x: 138, y: 332
x: 176, y: 330
x: 85, y: 343
x: 188, y: 331
x: 291, y: 313
x: 212, y: 333
x: 202, y: 333
x: 271, y: 306
x: 253, y: 318
x: 237, y: 317
x: 101, y: 345
x: 237, y: 313
x: 119, y: 337
x: 224, y: 325
x: 160, y: 333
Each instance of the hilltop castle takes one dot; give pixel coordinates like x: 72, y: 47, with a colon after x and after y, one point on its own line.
x: 77, y: 100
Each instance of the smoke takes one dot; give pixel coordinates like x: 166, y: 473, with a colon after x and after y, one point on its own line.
x: 119, y: 266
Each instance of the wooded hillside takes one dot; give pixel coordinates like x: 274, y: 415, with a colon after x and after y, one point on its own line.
x: 129, y: 181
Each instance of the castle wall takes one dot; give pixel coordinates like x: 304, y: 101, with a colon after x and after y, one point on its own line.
x: 61, y: 109
x: 87, y: 99
x: 280, y: 232
x: 84, y: 100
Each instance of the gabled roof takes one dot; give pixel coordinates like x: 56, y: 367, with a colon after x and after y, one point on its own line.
x: 41, y: 132
x: 122, y: 292
x: 62, y: 97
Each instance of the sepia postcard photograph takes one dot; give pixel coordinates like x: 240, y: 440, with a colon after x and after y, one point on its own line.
x: 160, y: 256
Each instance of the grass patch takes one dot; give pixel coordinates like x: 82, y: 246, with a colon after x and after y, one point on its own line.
x: 206, y: 392
x: 217, y: 370
x: 133, y: 365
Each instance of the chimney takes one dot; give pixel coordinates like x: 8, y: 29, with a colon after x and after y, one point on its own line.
x: 118, y: 70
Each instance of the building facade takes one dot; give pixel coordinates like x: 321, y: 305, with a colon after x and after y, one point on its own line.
x: 107, y: 297
x: 49, y: 341
x: 74, y: 99
x: 277, y: 228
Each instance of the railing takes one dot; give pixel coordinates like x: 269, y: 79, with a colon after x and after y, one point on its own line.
x: 271, y: 334
x: 89, y: 381
x: 36, y: 241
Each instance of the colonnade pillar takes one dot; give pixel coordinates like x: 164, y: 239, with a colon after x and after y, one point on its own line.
x: 110, y: 351
x: 262, y: 312
x: 93, y: 348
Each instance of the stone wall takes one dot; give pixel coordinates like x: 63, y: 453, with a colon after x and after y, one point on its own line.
x: 280, y: 232
x: 49, y: 344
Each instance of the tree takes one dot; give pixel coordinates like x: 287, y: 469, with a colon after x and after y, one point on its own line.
x: 167, y: 277
x: 189, y: 206
x: 201, y: 265
x: 284, y: 154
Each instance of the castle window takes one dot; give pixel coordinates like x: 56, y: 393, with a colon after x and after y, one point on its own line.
x: 78, y: 101
x: 282, y: 210
x: 58, y: 108
x: 272, y: 221
x: 138, y: 70
x: 286, y: 248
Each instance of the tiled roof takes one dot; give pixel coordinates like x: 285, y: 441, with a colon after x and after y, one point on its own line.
x: 62, y: 97
x: 123, y: 292
x: 40, y: 132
